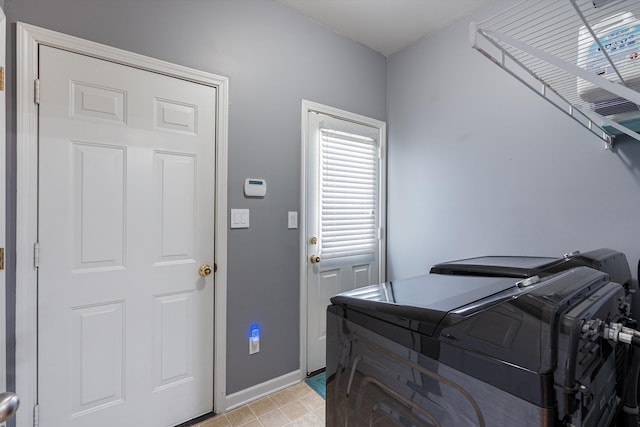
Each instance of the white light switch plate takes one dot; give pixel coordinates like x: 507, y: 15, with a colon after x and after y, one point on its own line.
x: 239, y: 218
x: 293, y: 219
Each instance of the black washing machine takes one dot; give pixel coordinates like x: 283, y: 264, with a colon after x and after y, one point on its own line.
x: 497, y: 341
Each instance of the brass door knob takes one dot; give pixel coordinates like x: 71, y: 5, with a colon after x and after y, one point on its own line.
x: 205, y: 270
x: 314, y: 259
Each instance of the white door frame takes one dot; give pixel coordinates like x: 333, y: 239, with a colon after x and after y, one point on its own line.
x: 28, y: 39
x: 308, y: 106
x: 3, y: 211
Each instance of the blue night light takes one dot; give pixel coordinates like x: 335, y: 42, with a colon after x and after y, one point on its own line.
x: 254, y: 331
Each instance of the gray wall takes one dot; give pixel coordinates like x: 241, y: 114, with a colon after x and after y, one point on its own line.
x: 273, y: 58
x: 479, y: 164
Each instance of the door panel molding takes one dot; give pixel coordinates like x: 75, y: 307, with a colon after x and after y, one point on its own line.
x: 306, y: 108
x: 29, y: 38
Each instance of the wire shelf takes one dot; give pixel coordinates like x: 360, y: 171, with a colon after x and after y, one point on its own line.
x: 583, y: 56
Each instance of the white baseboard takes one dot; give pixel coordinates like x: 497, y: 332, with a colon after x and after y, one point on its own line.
x: 266, y: 388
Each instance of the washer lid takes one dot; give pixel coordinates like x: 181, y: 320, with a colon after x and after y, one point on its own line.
x: 503, y: 266
x: 421, y: 302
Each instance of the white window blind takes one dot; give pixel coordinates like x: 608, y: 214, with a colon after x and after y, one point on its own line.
x: 348, y: 194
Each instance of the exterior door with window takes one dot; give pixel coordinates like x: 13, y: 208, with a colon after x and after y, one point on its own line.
x: 344, y: 215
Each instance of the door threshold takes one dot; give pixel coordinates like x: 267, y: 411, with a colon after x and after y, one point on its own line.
x: 316, y: 372
x: 198, y: 420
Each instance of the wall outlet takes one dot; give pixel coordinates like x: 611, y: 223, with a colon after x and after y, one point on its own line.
x: 254, y: 341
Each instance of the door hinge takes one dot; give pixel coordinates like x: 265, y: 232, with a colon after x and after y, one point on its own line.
x: 36, y: 415
x: 36, y: 255
x: 36, y: 91
x: 215, y: 267
x: 1, y: 258
x: 380, y: 233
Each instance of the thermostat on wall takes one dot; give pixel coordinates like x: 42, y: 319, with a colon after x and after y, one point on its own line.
x: 254, y: 187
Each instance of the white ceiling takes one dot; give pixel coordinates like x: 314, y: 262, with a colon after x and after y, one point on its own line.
x: 385, y: 26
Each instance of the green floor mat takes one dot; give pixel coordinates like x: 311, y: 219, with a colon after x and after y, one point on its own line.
x: 317, y: 383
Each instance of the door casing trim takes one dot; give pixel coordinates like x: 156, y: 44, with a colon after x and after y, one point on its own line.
x: 308, y: 106
x: 3, y: 207
x: 28, y: 38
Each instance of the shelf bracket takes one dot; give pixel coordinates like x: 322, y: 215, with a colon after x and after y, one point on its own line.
x: 585, y: 117
x: 575, y: 113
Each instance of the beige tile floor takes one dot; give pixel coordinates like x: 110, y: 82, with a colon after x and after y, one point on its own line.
x: 296, y: 406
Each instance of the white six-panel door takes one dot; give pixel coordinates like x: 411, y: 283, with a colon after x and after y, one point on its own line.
x: 126, y: 219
